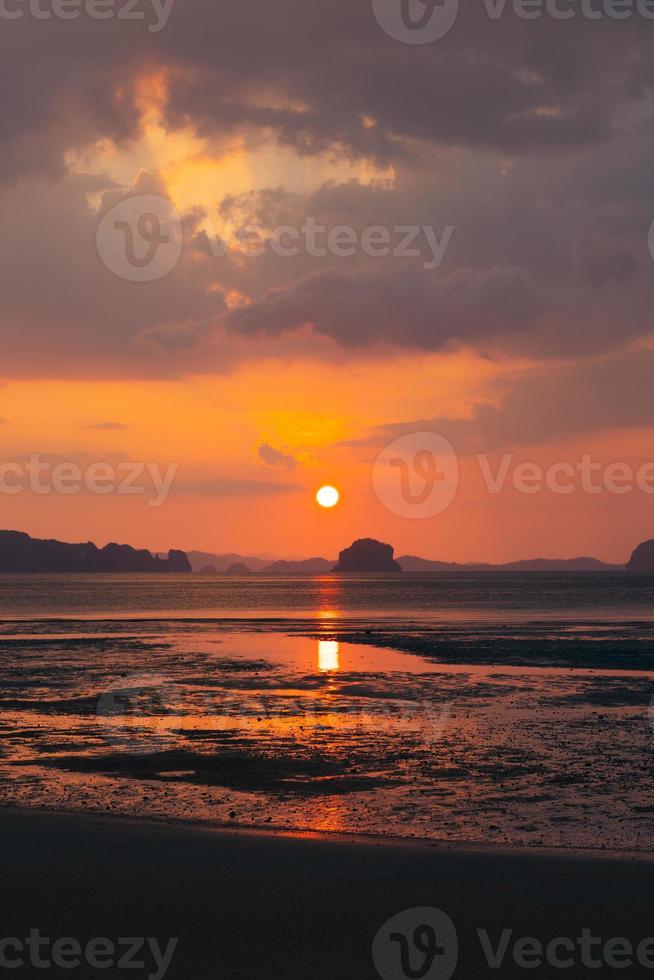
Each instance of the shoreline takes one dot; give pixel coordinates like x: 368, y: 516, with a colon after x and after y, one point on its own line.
x: 354, y: 838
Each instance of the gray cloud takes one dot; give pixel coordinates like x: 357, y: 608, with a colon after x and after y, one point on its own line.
x: 274, y: 457
x: 548, y: 405
x: 602, y: 261
x: 397, y: 304
x: 513, y: 85
x: 532, y: 138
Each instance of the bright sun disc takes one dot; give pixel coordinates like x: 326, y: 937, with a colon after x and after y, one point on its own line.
x: 328, y: 496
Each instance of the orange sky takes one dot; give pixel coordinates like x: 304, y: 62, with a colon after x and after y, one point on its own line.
x: 172, y: 381
x: 211, y: 428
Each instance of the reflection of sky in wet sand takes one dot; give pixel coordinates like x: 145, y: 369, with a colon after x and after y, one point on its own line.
x: 257, y: 727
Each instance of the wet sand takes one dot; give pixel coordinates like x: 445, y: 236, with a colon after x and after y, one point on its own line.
x: 251, y: 905
x: 239, y: 725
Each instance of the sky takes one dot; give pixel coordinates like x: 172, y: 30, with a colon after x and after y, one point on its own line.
x: 246, y: 249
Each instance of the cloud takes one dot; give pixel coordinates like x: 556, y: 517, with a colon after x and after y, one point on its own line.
x: 602, y: 261
x: 397, y: 304
x: 274, y: 457
x: 82, y: 318
x: 514, y: 84
x: 546, y: 406
x: 532, y: 138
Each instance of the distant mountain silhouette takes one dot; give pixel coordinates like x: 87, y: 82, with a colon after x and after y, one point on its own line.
x: 410, y: 563
x: 239, y: 568
x: 642, y: 558
x: 310, y: 566
x: 561, y: 565
x: 208, y: 570
x: 367, y: 555
x: 21, y: 553
x: 221, y: 563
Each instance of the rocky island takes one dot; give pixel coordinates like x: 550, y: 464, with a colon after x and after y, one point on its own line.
x: 642, y: 558
x: 21, y: 553
x: 367, y: 555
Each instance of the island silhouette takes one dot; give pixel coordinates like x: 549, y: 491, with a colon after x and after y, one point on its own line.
x: 19, y: 552
x: 367, y: 555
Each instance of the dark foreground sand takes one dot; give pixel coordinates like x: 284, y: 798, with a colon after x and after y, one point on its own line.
x: 261, y: 907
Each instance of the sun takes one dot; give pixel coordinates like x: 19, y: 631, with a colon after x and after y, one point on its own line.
x: 328, y: 496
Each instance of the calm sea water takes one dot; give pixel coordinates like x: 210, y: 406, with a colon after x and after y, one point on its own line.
x: 438, y: 596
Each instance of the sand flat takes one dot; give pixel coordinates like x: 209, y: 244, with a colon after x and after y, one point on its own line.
x: 447, y: 737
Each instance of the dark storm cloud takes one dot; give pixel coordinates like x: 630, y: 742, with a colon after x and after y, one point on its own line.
x: 511, y: 83
x: 309, y: 72
x: 531, y: 138
x: 396, y: 304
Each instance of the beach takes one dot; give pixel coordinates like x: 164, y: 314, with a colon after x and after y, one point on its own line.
x: 258, y: 778
x: 326, y: 483
x: 247, y: 905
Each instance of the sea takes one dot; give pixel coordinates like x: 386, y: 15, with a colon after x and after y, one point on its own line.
x: 502, y: 708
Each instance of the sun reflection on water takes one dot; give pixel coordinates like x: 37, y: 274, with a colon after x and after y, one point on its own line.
x: 328, y: 655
